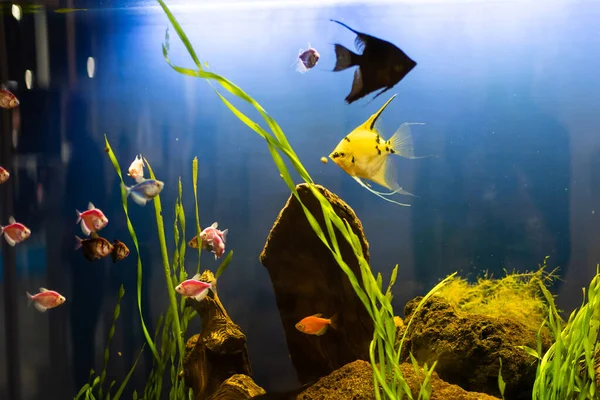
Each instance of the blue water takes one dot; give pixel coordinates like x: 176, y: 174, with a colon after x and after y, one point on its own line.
x: 508, y: 92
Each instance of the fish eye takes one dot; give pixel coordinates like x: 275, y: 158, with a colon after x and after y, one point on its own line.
x: 342, y: 154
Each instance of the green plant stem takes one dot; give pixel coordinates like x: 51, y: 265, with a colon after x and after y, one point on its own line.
x: 166, y: 267
x: 115, y: 164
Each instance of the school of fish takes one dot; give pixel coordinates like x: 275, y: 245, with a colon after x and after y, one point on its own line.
x: 363, y: 154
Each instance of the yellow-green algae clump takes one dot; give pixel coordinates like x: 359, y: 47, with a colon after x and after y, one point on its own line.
x: 517, y: 296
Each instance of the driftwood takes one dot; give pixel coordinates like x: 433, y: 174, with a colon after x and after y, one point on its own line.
x: 219, y: 352
x: 307, y: 280
x: 238, y: 387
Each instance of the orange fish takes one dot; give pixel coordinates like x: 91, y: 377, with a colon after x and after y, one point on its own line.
x: 315, y: 325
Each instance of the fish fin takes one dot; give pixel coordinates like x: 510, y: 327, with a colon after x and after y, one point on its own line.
x: 29, y: 299
x: 215, y: 225
x: 91, y: 206
x: 385, y: 89
x: 402, y: 142
x: 39, y: 307
x: 1, y: 230
x: 225, y: 234
x: 372, y: 123
x: 319, y: 315
x: 78, y: 216
x: 216, y: 257
x: 322, y: 330
x: 333, y: 321
x: 43, y: 289
x: 9, y: 240
x: 201, y: 295
x: 379, y: 194
x: 345, y: 26
x: 197, y: 276
x: 139, y: 179
x: 11, y: 220
x: 84, y: 228
x: 78, y: 241
x: 356, y: 92
x: 138, y: 198
x: 95, y: 235
x: 300, y: 67
x: 344, y: 58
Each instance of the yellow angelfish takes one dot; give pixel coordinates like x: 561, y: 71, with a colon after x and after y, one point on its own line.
x: 363, y: 154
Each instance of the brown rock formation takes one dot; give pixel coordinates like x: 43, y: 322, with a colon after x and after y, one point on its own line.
x: 468, y: 347
x: 355, y: 381
x: 218, y: 353
x: 307, y: 280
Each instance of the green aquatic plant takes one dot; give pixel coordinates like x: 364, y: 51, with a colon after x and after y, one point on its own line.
x: 516, y: 296
x: 568, y: 368
x: 384, y: 355
x: 195, y: 186
x: 94, y: 389
x: 115, y: 163
x: 171, y: 328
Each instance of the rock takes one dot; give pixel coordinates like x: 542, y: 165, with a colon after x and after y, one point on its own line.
x: 468, y: 347
x: 218, y: 353
x: 355, y: 381
x: 307, y: 280
x: 238, y: 387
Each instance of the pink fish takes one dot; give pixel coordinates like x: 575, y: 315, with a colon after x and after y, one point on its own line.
x: 4, y: 175
x: 194, y: 288
x: 45, y: 299
x: 7, y: 99
x: 307, y: 59
x: 92, y: 220
x: 14, y: 232
x: 136, y: 169
x: 214, y: 239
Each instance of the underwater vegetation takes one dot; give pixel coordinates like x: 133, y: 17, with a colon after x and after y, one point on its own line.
x: 516, y: 296
x: 567, y: 370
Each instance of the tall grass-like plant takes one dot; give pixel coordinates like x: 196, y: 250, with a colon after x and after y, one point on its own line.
x: 567, y: 370
x: 388, y: 379
x: 172, y: 327
x: 94, y: 389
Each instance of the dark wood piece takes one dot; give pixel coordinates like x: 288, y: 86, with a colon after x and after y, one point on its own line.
x: 307, y: 280
x: 238, y: 387
x: 218, y: 352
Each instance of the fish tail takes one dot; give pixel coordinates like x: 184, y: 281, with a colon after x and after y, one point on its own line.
x: 78, y: 241
x: 344, y: 58
x: 333, y: 321
x: 127, y: 188
x: 29, y: 299
x: 78, y: 216
x: 401, y: 142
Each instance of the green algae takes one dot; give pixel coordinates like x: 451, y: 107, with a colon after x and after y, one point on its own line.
x: 515, y: 296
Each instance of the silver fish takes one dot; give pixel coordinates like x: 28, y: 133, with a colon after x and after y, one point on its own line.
x: 145, y: 190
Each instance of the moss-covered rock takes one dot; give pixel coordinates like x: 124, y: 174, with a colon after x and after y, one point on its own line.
x: 355, y: 381
x: 468, y: 347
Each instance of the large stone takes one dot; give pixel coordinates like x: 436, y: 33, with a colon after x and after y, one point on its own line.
x: 468, y: 348
x: 307, y: 280
x: 355, y: 381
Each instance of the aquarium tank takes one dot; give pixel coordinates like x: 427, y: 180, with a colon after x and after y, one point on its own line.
x: 317, y: 199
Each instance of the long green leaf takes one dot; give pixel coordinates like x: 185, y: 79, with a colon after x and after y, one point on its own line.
x: 115, y: 164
